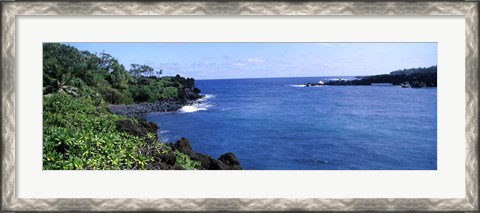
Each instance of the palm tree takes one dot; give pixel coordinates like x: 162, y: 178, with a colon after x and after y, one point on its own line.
x: 58, y: 83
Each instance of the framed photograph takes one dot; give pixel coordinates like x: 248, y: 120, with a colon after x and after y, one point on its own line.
x: 240, y: 106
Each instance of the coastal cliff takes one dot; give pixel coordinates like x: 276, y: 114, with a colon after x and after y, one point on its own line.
x: 92, y: 109
x: 186, y: 94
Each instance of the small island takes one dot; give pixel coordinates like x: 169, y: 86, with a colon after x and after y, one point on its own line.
x: 407, y: 78
x: 92, y: 109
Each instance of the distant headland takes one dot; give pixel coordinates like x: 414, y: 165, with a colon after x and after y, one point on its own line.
x: 421, y: 77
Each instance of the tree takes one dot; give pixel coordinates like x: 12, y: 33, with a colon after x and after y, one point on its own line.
x: 106, y: 62
x: 159, y: 73
x: 62, y: 66
x: 137, y: 70
x: 119, y: 77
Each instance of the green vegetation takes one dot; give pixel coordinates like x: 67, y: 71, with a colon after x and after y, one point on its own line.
x: 185, y: 161
x: 78, y: 130
x: 416, y: 71
x: 68, y: 70
x: 78, y: 135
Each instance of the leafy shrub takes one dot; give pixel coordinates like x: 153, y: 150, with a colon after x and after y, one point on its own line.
x: 111, y: 95
x: 169, y: 93
x: 78, y: 135
x: 127, y: 97
x: 185, y: 161
x: 141, y: 94
x: 93, y: 96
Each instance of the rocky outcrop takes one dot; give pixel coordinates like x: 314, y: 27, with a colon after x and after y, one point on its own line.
x: 162, y: 160
x: 227, y: 161
x: 314, y: 84
x: 418, y: 84
x: 414, y: 84
x: 139, y: 127
x: 405, y: 84
x: 188, y: 90
x: 187, y: 94
x: 165, y: 158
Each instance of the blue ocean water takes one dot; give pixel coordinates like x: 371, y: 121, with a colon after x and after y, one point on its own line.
x: 275, y: 124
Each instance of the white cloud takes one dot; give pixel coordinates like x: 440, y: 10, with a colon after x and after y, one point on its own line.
x: 255, y: 60
x: 238, y: 64
x: 325, y: 44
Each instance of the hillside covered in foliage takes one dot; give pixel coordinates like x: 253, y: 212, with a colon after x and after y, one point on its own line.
x: 79, y: 132
x: 68, y: 70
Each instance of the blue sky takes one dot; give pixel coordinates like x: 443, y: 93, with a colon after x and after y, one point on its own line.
x: 257, y: 60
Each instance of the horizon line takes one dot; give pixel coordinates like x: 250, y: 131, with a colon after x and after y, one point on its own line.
x: 279, y: 77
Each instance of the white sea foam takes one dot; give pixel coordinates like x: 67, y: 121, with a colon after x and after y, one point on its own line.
x: 164, y: 135
x: 302, y: 85
x: 192, y: 108
x: 201, y: 105
x: 296, y: 85
x: 164, y: 132
x: 338, y: 79
x: 208, y: 96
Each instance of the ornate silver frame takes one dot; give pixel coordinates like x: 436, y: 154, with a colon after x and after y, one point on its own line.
x: 11, y: 9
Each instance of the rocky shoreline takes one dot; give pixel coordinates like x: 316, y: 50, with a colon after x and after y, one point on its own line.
x: 144, y: 108
x: 188, y: 94
x: 227, y: 161
x: 166, y: 159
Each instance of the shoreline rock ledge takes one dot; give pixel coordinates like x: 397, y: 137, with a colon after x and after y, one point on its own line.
x: 167, y: 160
x: 144, y: 108
x: 227, y: 161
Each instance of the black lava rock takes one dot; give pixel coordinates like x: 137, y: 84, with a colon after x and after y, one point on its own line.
x: 229, y: 158
x: 418, y: 84
x: 141, y: 128
x: 183, y: 145
x: 227, y: 161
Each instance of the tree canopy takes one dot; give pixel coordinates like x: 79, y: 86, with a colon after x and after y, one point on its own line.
x: 69, y: 70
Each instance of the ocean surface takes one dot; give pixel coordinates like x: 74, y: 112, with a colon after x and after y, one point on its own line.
x: 277, y: 124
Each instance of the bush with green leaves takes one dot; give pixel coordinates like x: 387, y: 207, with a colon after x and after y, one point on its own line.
x: 79, y: 134
x: 169, y: 93
x: 185, y: 161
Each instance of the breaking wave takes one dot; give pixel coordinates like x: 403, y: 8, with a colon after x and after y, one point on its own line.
x: 201, y: 105
x: 295, y: 85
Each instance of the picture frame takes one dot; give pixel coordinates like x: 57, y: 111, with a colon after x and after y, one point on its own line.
x: 12, y: 10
